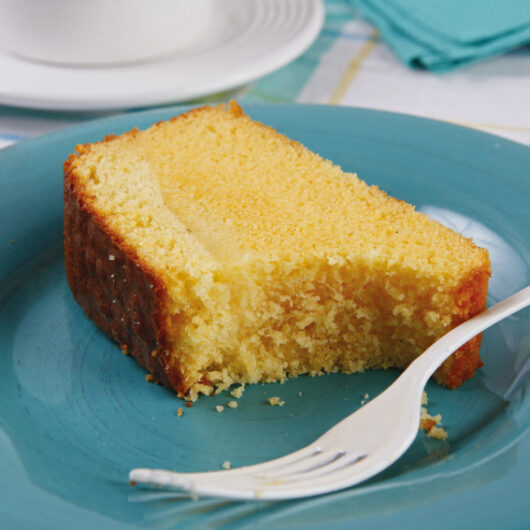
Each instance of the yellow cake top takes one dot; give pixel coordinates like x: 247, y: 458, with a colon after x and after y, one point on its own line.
x: 213, y: 189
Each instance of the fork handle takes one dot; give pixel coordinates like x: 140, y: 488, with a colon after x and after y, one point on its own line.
x: 425, y: 365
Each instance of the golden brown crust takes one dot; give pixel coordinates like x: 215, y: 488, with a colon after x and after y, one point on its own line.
x: 115, y: 289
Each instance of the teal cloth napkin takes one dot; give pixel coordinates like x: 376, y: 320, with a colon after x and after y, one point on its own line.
x: 443, y: 34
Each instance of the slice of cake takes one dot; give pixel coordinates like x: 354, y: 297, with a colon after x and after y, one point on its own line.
x: 217, y: 251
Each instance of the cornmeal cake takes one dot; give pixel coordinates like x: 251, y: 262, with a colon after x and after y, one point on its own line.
x: 217, y: 251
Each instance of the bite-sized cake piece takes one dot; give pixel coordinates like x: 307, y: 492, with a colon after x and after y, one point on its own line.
x: 217, y: 251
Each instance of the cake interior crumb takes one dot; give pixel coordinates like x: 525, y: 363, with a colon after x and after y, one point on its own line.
x: 219, y: 408
x: 227, y: 465
x: 232, y: 404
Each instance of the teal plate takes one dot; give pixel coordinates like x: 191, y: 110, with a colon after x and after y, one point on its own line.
x: 76, y: 415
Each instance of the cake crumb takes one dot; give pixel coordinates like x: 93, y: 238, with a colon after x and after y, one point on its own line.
x: 365, y: 398
x: 232, y: 404
x: 424, y: 398
x: 149, y: 378
x: 431, y: 425
x: 189, y: 404
x: 179, y: 412
x: 227, y: 465
x: 275, y: 401
x: 438, y: 433
x: 238, y: 392
x: 219, y: 408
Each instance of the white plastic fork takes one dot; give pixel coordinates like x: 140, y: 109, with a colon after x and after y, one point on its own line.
x: 355, y: 449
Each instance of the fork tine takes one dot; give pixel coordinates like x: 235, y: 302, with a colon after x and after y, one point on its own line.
x: 354, y: 472
x: 315, y: 460
x: 249, y: 486
x: 246, y: 484
x: 161, y: 477
x: 337, y: 463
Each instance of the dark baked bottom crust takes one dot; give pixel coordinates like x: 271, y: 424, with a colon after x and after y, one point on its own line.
x: 115, y: 290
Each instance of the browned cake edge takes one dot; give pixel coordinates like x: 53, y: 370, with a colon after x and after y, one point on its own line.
x: 126, y: 299
x: 470, y: 298
x: 116, y: 290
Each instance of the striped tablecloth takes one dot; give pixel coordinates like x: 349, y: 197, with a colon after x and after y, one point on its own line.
x: 350, y: 65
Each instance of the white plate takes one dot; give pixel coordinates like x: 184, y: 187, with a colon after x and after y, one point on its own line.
x: 251, y: 38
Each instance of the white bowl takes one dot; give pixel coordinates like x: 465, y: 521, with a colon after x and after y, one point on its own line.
x: 100, y: 32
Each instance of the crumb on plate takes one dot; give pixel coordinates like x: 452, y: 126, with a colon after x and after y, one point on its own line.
x: 438, y: 433
x: 275, y: 401
x: 431, y: 425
